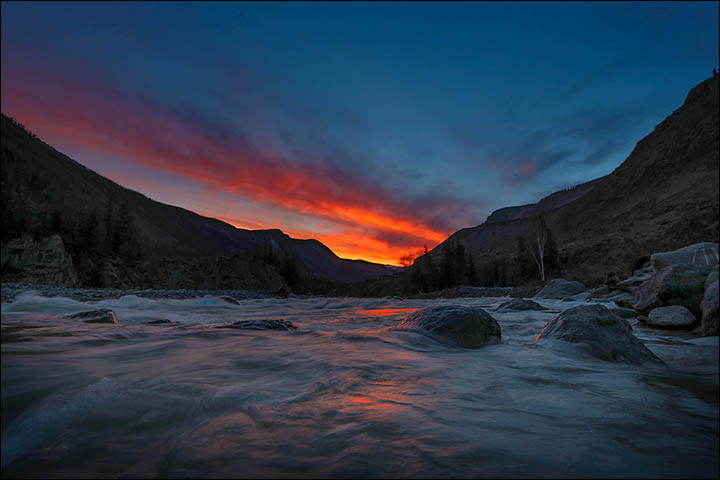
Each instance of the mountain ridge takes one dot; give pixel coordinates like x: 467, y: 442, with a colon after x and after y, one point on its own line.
x: 165, y: 230
x: 664, y: 195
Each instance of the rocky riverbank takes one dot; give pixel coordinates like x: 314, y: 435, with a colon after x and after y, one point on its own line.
x: 10, y: 291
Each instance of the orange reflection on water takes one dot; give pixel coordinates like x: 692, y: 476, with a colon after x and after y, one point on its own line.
x: 384, y: 312
x: 372, y: 403
x: 361, y: 400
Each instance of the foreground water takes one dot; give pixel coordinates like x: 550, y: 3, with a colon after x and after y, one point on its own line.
x: 339, y: 397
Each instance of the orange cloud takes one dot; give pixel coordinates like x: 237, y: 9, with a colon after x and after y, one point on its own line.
x: 369, y: 223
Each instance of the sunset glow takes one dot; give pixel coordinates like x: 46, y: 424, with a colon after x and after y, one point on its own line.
x: 262, y: 135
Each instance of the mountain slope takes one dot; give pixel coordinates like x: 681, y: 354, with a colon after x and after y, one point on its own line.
x: 662, y: 197
x: 161, y: 230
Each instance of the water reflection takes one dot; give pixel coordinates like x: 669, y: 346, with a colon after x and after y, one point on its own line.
x: 341, y: 397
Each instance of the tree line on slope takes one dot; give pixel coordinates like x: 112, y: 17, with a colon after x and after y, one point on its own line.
x: 536, y: 257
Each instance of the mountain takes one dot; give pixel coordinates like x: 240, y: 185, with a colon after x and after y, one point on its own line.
x: 662, y: 197
x: 46, y: 193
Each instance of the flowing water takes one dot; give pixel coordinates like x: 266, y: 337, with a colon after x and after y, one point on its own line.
x: 339, y: 397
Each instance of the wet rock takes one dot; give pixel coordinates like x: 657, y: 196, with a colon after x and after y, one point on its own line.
x: 283, y: 291
x: 634, y: 281
x: 623, y: 312
x: 709, y: 308
x: 595, y: 331
x: 269, y: 324
x: 700, y: 254
x: 675, y: 285
x: 104, y: 315
x: 614, y: 293
x: 580, y: 297
x: 673, y: 316
x: 600, y: 291
x: 712, y: 277
x: 559, y: 288
x: 623, y: 300
x: 458, y: 325
x: 163, y: 321
x: 229, y: 299
x: 519, y: 304
x: 643, y: 271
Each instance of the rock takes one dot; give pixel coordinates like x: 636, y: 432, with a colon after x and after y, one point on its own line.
x: 519, y: 304
x: 104, y: 315
x: 643, y: 271
x: 559, y: 288
x: 709, y: 308
x: 466, y: 291
x: 675, y: 285
x: 268, y: 324
x: 580, y: 297
x: 703, y: 254
x: 163, y: 321
x: 45, y: 262
x: 595, y: 331
x: 634, y: 281
x: 623, y: 312
x: 600, y: 291
x: 458, y: 325
x: 612, y: 294
x: 712, y: 277
x: 673, y: 316
x: 229, y: 299
x: 623, y: 300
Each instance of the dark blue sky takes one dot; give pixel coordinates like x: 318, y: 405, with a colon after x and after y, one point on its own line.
x: 374, y: 127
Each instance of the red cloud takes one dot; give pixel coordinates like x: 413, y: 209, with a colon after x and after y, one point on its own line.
x: 108, y: 122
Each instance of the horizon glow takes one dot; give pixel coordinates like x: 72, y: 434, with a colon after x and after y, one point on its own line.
x: 374, y: 128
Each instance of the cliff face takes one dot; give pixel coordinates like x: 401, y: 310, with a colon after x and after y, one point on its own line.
x: 117, y: 237
x: 42, y: 262
x: 662, y: 197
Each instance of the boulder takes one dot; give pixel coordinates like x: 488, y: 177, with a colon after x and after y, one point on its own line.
x: 675, y: 285
x: 580, y: 297
x: 623, y: 312
x: 673, y: 316
x: 600, y: 291
x: 267, y: 324
x: 44, y: 262
x: 712, y: 277
x: 623, y: 300
x: 229, y: 299
x: 614, y: 293
x: 559, y: 288
x: 643, y: 271
x: 595, y: 331
x: 162, y: 321
x: 519, y: 304
x: 104, y: 315
x: 701, y: 254
x: 457, y: 325
x: 633, y: 281
x: 709, y: 308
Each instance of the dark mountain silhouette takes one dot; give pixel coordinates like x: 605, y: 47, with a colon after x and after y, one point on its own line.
x: 45, y: 193
x: 663, y: 196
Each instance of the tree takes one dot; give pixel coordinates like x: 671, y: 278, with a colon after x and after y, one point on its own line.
x: 540, y: 238
x: 471, y: 270
x: 123, y: 228
x: 523, y: 258
x: 409, y: 258
x: 89, y: 232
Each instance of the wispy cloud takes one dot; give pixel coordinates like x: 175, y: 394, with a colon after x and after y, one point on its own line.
x: 96, y: 116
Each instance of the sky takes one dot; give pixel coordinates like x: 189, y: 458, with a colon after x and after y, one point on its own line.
x: 376, y: 128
